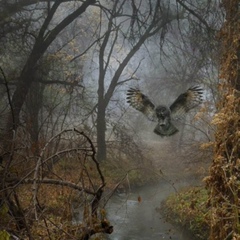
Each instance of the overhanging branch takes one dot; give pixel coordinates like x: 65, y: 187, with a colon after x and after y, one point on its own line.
x: 59, y: 183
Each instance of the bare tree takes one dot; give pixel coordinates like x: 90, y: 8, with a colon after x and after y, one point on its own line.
x: 42, y: 42
x: 145, y: 20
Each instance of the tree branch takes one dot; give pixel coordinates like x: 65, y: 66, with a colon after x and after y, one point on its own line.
x: 59, y: 183
x: 194, y: 14
x: 74, y: 83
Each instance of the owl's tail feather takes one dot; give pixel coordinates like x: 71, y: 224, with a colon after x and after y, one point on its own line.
x: 165, y: 130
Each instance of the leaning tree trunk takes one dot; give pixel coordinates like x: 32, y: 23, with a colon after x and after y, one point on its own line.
x: 224, y: 179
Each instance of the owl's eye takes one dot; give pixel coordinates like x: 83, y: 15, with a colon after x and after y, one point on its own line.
x: 162, y: 111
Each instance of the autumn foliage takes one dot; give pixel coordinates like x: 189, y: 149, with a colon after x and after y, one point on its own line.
x: 223, y: 182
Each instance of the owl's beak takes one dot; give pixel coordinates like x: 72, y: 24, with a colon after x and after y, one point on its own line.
x: 163, y: 122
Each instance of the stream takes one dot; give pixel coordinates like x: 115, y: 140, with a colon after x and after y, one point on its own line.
x: 139, y: 220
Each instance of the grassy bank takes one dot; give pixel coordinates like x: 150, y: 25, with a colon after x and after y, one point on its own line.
x: 188, y: 209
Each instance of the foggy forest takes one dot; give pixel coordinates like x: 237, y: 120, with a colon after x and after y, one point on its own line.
x: 86, y: 153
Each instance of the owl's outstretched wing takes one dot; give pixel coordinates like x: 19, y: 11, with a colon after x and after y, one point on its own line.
x: 142, y: 103
x: 187, y: 101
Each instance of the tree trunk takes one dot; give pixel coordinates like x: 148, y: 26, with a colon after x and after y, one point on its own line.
x: 34, y: 103
x: 101, y: 131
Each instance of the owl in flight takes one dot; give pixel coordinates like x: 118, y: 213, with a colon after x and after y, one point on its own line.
x: 165, y: 116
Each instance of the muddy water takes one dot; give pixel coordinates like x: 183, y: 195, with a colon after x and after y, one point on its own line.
x: 140, y: 220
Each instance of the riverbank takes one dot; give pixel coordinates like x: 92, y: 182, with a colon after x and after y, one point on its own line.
x: 188, y: 209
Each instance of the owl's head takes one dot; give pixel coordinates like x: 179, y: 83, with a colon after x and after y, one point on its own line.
x: 163, y: 114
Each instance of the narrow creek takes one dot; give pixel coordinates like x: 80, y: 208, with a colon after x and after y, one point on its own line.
x: 139, y: 220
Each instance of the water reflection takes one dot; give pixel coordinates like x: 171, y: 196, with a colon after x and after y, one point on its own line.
x: 134, y: 220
